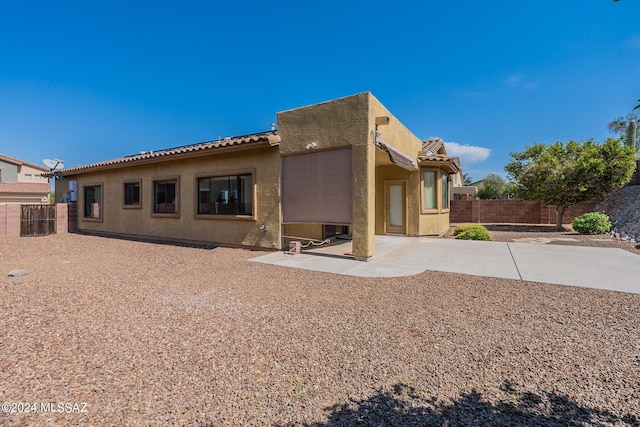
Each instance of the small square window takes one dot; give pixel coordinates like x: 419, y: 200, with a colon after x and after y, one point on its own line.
x: 28, y: 176
x: 165, y: 197
x: 132, y: 194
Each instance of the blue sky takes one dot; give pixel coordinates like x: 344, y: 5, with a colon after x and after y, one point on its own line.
x: 91, y: 81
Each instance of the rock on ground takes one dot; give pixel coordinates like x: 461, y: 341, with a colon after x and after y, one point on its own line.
x: 623, y: 208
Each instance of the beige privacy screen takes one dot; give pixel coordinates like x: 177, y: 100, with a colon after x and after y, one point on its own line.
x: 316, y: 187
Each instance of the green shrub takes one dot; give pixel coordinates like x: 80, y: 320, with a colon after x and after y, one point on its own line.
x: 471, y: 232
x: 592, y: 223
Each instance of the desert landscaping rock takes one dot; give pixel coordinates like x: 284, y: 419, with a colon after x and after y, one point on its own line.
x: 16, y: 273
x: 623, y: 208
x: 151, y: 334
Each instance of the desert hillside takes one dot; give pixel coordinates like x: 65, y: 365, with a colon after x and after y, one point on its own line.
x: 623, y: 208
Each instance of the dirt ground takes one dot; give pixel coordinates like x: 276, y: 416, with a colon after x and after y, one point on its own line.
x: 114, y: 332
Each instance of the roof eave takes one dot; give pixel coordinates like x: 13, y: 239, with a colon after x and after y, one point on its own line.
x: 268, y: 141
x: 450, y: 164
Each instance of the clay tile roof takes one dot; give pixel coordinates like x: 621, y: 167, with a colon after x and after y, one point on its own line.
x: 24, y: 188
x: 271, y: 138
x: 435, y: 151
x: 452, y: 162
x: 19, y: 162
x: 433, y: 145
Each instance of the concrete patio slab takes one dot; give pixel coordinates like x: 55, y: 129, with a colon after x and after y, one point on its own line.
x: 602, y: 268
x: 396, y: 256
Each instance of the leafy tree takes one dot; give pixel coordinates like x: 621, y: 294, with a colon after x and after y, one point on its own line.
x: 565, y: 175
x: 618, y: 127
x: 466, y: 178
x: 492, y: 187
x: 625, y: 129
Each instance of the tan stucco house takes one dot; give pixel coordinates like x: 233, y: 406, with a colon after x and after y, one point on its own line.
x: 22, y: 182
x: 345, y: 166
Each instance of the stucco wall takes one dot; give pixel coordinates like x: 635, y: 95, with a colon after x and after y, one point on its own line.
x: 395, y: 132
x: 140, y: 222
x: 434, y: 224
x: 9, y: 172
x: 340, y: 123
x: 395, y: 173
x: 35, y: 174
x: 349, y: 122
x: 307, y: 231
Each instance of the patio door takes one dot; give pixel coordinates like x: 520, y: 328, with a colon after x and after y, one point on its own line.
x: 395, y: 207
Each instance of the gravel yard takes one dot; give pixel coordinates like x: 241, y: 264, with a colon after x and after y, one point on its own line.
x: 150, y: 334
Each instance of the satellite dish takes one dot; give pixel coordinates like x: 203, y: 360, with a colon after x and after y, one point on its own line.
x: 54, y: 165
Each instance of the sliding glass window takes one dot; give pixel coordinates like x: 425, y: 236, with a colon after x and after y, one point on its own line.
x: 226, y: 195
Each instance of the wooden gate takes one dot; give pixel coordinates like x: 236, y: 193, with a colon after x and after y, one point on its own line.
x: 37, y: 220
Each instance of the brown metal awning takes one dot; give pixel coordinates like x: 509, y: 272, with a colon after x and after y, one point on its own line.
x: 396, y: 156
x: 447, y: 163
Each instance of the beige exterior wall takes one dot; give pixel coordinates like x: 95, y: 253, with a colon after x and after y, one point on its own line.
x: 395, y: 132
x: 349, y: 122
x: 30, y: 174
x: 23, y: 183
x: 13, y: 170
x: 24, y: 198
x: 304, y: 231
x: 434, y: 224
x: 340, y: 123
x: 264, y: 163
x: 392, y: 173
x: 418, y: 223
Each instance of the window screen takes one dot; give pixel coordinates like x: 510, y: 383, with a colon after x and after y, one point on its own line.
x: 316, y: 187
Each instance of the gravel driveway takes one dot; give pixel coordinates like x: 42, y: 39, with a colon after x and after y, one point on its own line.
x: 149, y: 334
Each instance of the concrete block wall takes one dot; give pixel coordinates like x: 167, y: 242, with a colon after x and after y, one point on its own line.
x: 10, y: 219
x: 72, y: 218
x: 512, y: 211
x: 62, y: 221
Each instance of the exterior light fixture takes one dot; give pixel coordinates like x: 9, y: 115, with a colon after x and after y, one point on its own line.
x: 382, y: 120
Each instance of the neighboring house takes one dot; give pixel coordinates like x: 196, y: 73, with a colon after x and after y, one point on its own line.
x: 345, y: 166
x: 22, y: 182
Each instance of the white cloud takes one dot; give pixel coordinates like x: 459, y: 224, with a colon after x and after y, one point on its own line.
x: 518, y: 81
x: 469, y: 154
x: 514, y: 81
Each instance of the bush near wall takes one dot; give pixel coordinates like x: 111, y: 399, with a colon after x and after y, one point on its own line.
x: 592, y: 223
x: 471, y: 232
